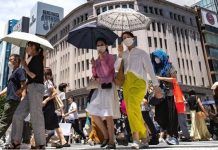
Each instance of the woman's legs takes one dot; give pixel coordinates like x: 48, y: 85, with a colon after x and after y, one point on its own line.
x: 110, y: 129
x: 99, y: 122
x: 61, y: 136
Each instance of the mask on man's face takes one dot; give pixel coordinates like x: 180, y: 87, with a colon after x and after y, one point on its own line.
x: 128, y: 42
x: 10, y: 65
x: 101, y: 49
x: 157, y: 60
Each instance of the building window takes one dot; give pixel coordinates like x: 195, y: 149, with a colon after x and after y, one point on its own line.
x: 183, y: 63
x: 148, y: 28
x: 165, y: 41
x: 163, y: 27
x: 117, y: 6
x: 131, y: 6
x: 188, y: 49
x: 194, y: 80
x: 190, y: 80
x: 83, y: 66
x: 104, y: 9
x: 136, y: 41
x: 161, y: 44
x: 158, y: 27
x: 78, y: 83
x: 176, y: 46
x: 186, y: 80
x: 83, y: 82
x: 180, y: 46
x: 161, y: 12
x: 183, y: 19
x: 203, y: 81
x: 197, y: 50
x: 87, y: 79
x: 171, y: 15
x: 87, y: 64
x: 179, y: 63
x: 149, y: 42
x: 179, y: 17
x: 111, y: 7
x: 200, y: 66
x: 81, y: 18
x: 175, y: 16
x: 151, y: 10
x: 155, y: 42
x: 87, y: 50
x: 124, y: 6
x: 86, y: 16
x: 191, y: 64
x: 187, y: 64
x: 98, y: 11
x: 184, y: 48
x: 145, y: 9
x: 78, y: 67
x: 181, y: 78
x: 153, y: 26
x: 156, y: 11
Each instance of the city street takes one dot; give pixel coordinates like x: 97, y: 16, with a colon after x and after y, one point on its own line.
x: 204, y: 145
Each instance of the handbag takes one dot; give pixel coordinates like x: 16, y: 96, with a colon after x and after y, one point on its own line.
x: 58, y: 103
x: 93, y: 84
x: 120, y: 77
x: 106, y: 85
x: 66, y: 128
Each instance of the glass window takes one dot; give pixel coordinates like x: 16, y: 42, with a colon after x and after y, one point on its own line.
x: 161, y: 44
x: 156, y: 11
x: 131, y: 6
x: 181, y: 78
x: 165, y: 41
x: 213, y: 52
x: 171, y: 15
x: 194, y: 81
x: 197, y: 50
x: 187, y: 64
x: 183, y: 63
x: 149, y: 42
x: 124, y: 6
x: 87, y: 64
x: 111, y: 7
x: 158, y: 27
x: 151, y: 10
x: 146, y: 9
x: 203, y: 81
x: 186, y: 81
x: 117, y: 6
x: 200, y: 66
x: 98, y: 11
x: 163, y: 27
x: 161, y: 12
x: 175, y: 16
x: 153, y: 26
x: 104, y: 9
x: 176, y: 46
x: 190, y: 80
x: 83, y: 66
x: 86, y: 16
x: 191, y: 64
x: 179, y: 62
x: 155, y: 42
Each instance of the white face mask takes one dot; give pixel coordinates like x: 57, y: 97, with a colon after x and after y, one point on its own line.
x: 128, y: 42
x: 101, y: 49
x: 157, y: 60
x: 10, y: 65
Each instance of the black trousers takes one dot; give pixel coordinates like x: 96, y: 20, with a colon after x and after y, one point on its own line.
x: 167, y: 117
x: 149, y: 122
x: 75, y: 125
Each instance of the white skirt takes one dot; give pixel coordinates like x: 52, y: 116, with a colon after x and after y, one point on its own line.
x: 104, y: 102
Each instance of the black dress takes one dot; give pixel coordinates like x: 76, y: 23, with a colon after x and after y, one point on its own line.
x: 51, y: 118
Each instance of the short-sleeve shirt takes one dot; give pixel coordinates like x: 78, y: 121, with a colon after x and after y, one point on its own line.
x: 62, y: 96
x: 36, y: 66
x: 18, y: 75
x: 48, y: 86
x: 74, y: 115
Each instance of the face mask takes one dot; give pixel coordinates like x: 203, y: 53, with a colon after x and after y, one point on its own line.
x: 128, y: 42
x: 101, y: 49
x: 157, y: 60
x: 10, y: 65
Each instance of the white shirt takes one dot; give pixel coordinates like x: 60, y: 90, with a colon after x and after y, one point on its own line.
x: 48, y: 86
x: 74, y: 115
x: 138, y: 62
x: 62, y: 96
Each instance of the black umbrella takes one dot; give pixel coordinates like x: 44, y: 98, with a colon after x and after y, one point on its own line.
x: 86, y: 36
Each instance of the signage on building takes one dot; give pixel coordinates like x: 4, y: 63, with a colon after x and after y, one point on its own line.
x: 43, y: 18
x: 209, y: 18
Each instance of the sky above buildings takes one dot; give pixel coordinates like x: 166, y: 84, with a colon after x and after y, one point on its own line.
x: 15, y: 9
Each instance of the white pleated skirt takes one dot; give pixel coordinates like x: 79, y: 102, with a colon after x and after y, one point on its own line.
x: 104, y: 102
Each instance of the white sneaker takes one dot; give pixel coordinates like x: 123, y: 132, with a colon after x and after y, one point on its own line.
x: 135, y: 145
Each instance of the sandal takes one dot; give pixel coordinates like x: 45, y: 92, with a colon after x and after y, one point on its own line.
x: 12, y: 146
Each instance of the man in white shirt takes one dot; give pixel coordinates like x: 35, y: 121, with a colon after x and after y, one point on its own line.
x: 72, y: 117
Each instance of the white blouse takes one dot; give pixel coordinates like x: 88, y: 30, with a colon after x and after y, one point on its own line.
x: 138, y: 62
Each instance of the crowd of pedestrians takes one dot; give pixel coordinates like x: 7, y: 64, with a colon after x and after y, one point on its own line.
x: 125, y: 106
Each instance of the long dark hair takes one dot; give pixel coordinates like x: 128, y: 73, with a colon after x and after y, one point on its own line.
x: 104, y: 41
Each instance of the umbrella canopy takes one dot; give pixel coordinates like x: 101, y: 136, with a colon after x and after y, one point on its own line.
x: 214, y: 86
x: 21, y: 38
x: 123, y: 19
x: 86, y: 36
